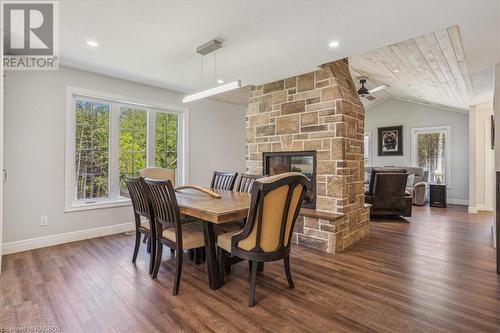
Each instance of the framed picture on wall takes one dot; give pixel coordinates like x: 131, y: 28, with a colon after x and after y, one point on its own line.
x: 390, y: 141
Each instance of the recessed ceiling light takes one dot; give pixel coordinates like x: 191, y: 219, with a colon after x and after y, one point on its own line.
x: 333, y: 43
x: 92, y: 43
x: 220, y: 81
x: 395, y: 70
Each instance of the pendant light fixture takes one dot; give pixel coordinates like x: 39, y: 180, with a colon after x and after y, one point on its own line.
x: 205, y: 49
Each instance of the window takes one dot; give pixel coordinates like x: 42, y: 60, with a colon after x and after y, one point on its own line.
x: 166, y: 141
x: 132, y: 142
x: 109, y: 138
x: 91, y: 149
x: 368, y: 139
x: 430, y: 150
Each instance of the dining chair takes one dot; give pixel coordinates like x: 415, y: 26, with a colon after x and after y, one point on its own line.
x: 142, y: 208
x: 223, y: 180
x: 170, y: 230
x: 158, y: 173
x: 246, y: 182
x: 274, y: 208
x: 244, y: 185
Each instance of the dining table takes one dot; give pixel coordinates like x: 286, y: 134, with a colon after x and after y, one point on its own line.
x: 221, y: 207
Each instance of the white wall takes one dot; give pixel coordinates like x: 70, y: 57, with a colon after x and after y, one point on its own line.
x: 412, y: 115
x: 35, y: 110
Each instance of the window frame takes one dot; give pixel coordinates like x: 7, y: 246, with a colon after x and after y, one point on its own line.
x: 433, y: 129
x: 116, y: 102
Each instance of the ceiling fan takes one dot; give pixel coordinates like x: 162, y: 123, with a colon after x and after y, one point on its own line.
x: 365, y: 92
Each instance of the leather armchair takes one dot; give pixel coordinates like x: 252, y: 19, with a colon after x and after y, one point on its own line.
x: 387, y: 194
x: 418, y: 189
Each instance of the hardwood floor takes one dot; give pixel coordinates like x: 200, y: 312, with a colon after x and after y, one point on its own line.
x: 434, y: 274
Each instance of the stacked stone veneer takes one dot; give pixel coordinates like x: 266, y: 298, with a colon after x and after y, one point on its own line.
x: 318, y: 111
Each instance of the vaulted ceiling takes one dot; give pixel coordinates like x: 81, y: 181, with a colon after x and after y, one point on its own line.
x: 154, y: 42
x: 430, y: 69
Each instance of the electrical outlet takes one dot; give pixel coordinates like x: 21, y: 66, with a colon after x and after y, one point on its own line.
x: 44, y: 221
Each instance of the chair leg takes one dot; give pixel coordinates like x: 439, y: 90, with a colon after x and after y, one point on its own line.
x: 152, y: 255
x: 203, y: 254
x: 149, y: 244
x: 198, y: 256
x: 253, y: 282
x: 286, y: 261
x: 261, y: 266
x: 137, y: 243
x: 228, y: 264
x: 178, y: 271
x: 159, y: 252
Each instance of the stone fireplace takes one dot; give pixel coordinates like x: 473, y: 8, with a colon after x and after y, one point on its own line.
x: 317, y: 112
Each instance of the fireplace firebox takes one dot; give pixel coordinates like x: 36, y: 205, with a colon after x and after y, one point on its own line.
x: 294, y: 161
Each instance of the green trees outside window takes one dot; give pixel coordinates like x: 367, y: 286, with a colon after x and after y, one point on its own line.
x: 431, y: 154
x: 166, y: 140
x: 92, y: 150
x: 132, y: 142
x: 142, y: 135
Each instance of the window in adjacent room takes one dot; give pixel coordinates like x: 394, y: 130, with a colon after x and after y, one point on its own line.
x: 431, y: 151
x: 367, y: 150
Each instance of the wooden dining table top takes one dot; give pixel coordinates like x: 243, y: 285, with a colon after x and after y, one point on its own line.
x: 231, y: 206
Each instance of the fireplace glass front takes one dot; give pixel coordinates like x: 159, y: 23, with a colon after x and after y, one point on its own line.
x: 303, y: 162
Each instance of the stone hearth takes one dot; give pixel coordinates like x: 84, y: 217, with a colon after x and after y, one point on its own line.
x: 318, y: 111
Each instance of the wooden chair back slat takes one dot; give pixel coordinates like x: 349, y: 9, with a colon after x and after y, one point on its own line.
x: 246, y: 182
x: 224, y: 180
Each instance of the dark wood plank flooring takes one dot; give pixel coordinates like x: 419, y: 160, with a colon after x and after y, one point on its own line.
x: 433, y: 274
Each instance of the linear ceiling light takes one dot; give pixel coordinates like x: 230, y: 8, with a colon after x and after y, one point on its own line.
x: 207, y: 48
x: 212, y: 91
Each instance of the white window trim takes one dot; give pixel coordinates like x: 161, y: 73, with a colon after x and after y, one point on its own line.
x: 447, y: 130
x: 369, y: 147
x: 153, y: 108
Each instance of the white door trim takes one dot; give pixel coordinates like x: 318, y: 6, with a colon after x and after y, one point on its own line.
x: 1, y: 136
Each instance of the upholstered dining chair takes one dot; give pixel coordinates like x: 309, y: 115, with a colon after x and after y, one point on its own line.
x: 267, y: 234
x: 244, y: 185
x: 143, y: 215
x: 224, y: 180
x: 170, y: 230
x: 158, y: 173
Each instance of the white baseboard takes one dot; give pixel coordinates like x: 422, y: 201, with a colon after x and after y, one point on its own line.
x: 453, y: 201
x: 36, y: 243
x: 472, y: 210
x: 484, y: 208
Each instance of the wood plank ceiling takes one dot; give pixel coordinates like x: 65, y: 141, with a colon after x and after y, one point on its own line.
x: 427, y: 69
